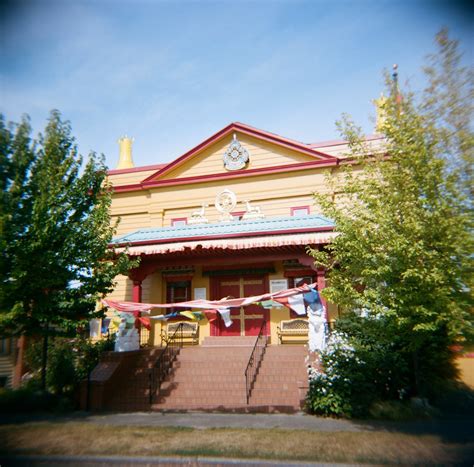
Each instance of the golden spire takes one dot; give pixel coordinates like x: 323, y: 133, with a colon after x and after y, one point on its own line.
x: 125, y: 154
x: 381, y: 113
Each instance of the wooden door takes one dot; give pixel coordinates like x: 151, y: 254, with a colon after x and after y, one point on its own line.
x: 246, y: 321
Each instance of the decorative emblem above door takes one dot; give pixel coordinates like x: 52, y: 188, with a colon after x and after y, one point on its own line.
x: 235, y: 157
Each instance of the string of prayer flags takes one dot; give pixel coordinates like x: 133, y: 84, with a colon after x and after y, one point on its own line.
x: 295, y: 302
x: 193, y: 315
x: 143, y: 321
x: 211, y: 315
x: 225, y: 315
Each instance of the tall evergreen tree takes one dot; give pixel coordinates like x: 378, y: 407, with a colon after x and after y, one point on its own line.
x: 405, y: 243
x: 54, y: 231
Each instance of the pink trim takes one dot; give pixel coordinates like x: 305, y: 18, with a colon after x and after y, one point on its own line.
x: 296, y: 208
x: 234, y: 235
x: 227, y: 176
x: 136, y: 169
x: 185, y: 219
x: 248, y: 130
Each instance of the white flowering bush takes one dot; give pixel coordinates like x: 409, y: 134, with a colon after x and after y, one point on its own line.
x: 355, y: 370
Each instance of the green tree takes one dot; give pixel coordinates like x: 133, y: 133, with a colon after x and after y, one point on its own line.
x: 54, y: 231
x: 404, y: 250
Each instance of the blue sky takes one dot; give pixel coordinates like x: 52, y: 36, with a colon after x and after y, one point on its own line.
x: 172, y: 73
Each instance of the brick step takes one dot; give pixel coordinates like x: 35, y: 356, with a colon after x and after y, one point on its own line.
x: 276, y: 385
x: 193, y: 402
x: 203, y: 388
x: 215, y: 352
x: 210, y: 341
x: 217, y: 370
x: 236, y: 408
x: 288, y: 349
x: 212, y: 380
x: 186, y: 406
x: 280, y: 378
x: 222, y: 360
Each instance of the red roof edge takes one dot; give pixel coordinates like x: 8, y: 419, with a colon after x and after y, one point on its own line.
x: 246, y: 129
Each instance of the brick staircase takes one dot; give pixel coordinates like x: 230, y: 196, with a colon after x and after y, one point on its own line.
x: 209, y: 377
x: 281, y: 383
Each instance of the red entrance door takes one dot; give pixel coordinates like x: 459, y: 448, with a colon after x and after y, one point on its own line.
x: 246, y: 321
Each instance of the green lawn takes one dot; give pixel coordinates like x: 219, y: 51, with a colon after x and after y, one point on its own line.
x: 377, y: 447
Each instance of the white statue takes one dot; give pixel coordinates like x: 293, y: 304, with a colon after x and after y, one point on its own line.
x: 253, y: 212
x: 198, y: 217
x: 317, y: 329
x: 126, y: 339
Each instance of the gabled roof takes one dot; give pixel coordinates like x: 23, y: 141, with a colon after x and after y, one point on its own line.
x: 248, y: 130
x: 250, y: 228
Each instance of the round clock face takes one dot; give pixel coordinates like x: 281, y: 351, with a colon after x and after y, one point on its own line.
x: 235, y: 157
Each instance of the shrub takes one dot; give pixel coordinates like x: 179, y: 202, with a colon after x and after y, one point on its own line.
x: 70, y: 360
x: 29, y: 399
x: 359, y: 367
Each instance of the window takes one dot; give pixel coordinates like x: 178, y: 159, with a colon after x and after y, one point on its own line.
x: 177, y: 291
x: 179, y: 222
x: 299, y: 281
x: 300, y: 211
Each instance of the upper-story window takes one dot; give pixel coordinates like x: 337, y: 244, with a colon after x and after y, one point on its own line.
x: 179, y: 222
x: 300, y: 211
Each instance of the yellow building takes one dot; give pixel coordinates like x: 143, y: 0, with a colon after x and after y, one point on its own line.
x: 233, y: 216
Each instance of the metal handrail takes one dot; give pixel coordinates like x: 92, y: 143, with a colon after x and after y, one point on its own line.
x: 255, y: 360
x: 164, y: 362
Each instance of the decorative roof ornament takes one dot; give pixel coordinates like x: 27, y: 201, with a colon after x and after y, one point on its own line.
x: 225, y: 204
x: 253, y: 212
x: 198, y: 217
x: 235, y: 157
x: 381, y: 102
x: 125, y: 154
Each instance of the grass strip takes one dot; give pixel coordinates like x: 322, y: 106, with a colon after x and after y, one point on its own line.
x: 377, y: 447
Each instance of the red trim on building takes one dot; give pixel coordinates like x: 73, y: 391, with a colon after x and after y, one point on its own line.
x: 178, y: 219
x: 227, y: 176
x: 220, y: 236
x: 237, y: 267
x: 183, y: 277
x: 299, y: 273
x: 296, y: 208
x: 245, y: 129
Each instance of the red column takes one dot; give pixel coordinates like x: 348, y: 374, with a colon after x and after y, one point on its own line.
x: 137, y: 291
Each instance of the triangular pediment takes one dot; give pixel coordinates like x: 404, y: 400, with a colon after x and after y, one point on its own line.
x: 238, y: 148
